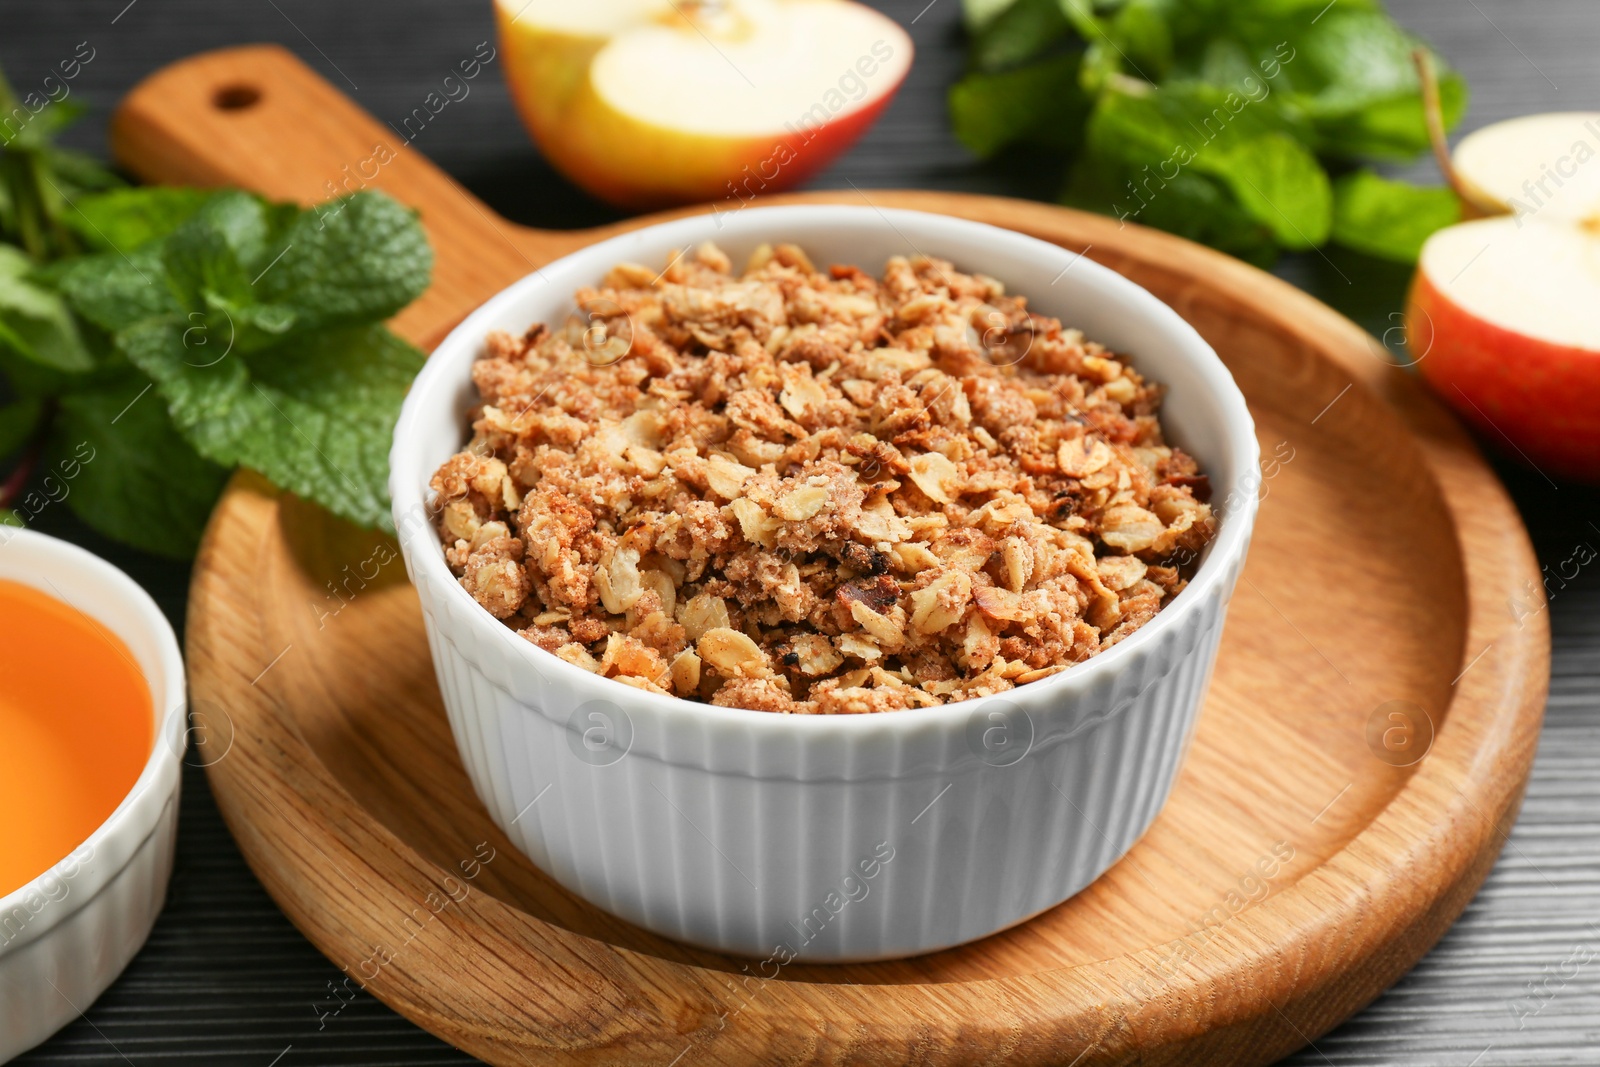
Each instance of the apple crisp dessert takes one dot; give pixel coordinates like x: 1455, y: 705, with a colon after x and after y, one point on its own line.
x: 808, y: 491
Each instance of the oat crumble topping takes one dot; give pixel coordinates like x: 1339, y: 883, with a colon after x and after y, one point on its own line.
x: 808, y: 491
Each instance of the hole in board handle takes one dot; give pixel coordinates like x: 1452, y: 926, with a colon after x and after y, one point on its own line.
x: 236, y: 97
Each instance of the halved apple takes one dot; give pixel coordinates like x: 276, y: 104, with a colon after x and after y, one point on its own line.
x: 653, y: 102
x: 1504, y: 313
x: 1506, y: 316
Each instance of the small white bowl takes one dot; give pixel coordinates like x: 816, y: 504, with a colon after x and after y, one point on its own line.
x: 832, y: 837
x: 66, y: 935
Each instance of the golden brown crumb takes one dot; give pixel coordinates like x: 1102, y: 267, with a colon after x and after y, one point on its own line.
x: 817, y: 492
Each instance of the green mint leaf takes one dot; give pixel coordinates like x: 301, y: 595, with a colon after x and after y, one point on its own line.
x: 248, y: 224
x: 115, y: 290
x: 1159, y: 134
x: 1139, y: 35
x: 1280, y: 184
x: 1305, y: 11
x: 1261, y: 24
x: 35, y: 322
x: 1191, y: 205
x: 255, y: 322
x: 1101, y: 60
x: 134, y: 478
x: 1231, y: 64
x: 1389, y: 219
x: 1023, y: 31
x: 29, y: 130
x: 977, y: 14
x: 1080, y: 15
x: 28, y: 378
x: 206, y: 388
x: 251, y: 327
x: 123, y: 220
x: 315, y: 415
x: 236, y: 327
x: 358, y: 259
x: 1353, y: 76
x: 1040, y: 103
x: 79, y: 172
x: 1350, y: 60
x: 1209, y: 116
x: 1134, y: 38
x: 207, y: 255
x: 1393, y: 128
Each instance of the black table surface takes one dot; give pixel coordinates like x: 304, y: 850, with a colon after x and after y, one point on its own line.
x: 226, y: 979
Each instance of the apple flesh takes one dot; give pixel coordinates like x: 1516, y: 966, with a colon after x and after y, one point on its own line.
x: 1535, y: 165
x: 1504, y: 313
x: 647, y: 103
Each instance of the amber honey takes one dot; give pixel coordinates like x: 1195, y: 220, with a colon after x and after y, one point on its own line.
x: 75, y: 729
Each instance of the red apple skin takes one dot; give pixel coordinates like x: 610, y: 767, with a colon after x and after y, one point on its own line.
x: 637, y: 166
x: 1541, y: 396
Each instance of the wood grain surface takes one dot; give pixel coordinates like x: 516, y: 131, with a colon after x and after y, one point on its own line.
x: 226, y: 980
x: 1293, y: 875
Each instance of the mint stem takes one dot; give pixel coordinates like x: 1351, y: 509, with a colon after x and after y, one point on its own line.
x: 25, y: 173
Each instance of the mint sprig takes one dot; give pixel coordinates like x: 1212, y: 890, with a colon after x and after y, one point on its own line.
x: 260, y: 328
x: 1222, y: 120
x: 153, y: 339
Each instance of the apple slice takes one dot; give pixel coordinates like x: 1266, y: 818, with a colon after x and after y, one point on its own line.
x: 1544, y: 165
x: 652, y: 102
x: 1505, y: 317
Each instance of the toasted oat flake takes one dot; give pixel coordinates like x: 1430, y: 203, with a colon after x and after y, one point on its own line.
x: 816, y: 491
x: 802, y: 503
x: 686, y: 672
x: 730, y: 651
x: 934, y: 475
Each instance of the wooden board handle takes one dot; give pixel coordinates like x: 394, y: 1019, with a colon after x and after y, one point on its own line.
x: 258, y: 118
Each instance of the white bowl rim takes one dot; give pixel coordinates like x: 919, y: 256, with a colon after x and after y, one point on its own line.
x: 168, y: 689
x: 420, y: 541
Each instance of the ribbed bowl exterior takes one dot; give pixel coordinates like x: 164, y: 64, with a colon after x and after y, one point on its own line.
x: 832, y: 837
x: 796, y: 844
x: 45, y: 981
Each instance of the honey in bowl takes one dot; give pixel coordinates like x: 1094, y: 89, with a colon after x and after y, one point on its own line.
x: 76, y: 726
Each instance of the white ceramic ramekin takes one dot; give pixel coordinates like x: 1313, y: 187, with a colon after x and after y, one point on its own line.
x: 832, y: 837
x: 66, y: 935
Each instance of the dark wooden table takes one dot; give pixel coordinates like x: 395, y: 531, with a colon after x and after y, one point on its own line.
x: 226, y: 979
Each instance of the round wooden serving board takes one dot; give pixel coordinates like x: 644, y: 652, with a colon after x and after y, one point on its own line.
x: 1293, y: 875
